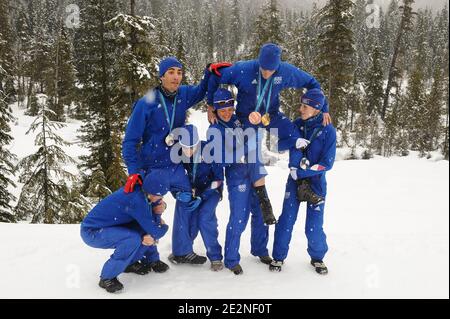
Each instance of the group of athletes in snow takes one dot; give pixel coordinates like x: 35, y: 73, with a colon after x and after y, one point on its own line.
x: 164, y: 155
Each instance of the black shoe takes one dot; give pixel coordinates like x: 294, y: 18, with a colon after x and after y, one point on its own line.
x: 158, y: 267
x: 320, y: 267
x: 265, y: 259
x: 111, y: 285
x: 137, y: 268
x: 266, y: 206
x: 237, y: 270
x: 191, y: 258
x: 275, y: 265
x: 306, y: 194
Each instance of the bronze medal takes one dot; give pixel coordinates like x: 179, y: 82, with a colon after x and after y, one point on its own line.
x: 255, y: 118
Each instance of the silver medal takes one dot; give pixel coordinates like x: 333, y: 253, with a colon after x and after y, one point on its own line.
x: 304, y: 164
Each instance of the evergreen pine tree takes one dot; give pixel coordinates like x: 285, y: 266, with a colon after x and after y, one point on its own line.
x: 406, y: 26
x: 445, y: 145
x: 268, y: 27
x: 432, y: 113
x: 96, y: 51
x: 389, y: 24
x: 116, y: 176
x: 138, y: 54
x: 416, y: 97
x: 181, y: 56
x: 335, y: 55
x: 235, y: 30
x: 157, y: 7
x: 362, y: 35
x: 209, y: 36
x: 42, y: 173
x: 6, y: 53
x: 75, y: 206
x: 374, y: 83
x: 221, y: 34
x: 61, y: 79
x: 97, y: 190
x: 21, y: 49
x: 6, y: 161
x: 294, y: 54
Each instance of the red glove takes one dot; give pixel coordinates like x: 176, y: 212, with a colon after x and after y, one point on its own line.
x: 131, y: 182
x: 215, y: 67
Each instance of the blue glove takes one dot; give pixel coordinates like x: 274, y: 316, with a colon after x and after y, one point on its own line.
x: 193, y: 205
x: 184, y: 197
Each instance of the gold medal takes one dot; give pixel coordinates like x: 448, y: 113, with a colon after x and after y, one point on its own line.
x: 170, y: 140
x: 255, y: 118
x: 266, y: 119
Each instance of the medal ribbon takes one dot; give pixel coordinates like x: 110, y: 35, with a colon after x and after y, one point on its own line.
x: 169, y: 120
x: 262, y: 94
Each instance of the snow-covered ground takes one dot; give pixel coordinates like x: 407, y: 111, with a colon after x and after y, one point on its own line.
x: 387, y: 222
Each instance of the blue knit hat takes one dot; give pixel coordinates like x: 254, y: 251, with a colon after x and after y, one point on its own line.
x: 223, y: 99
x: 314, y: 98
x: 157, y: 182
x: 270, y: 57
x: 188, y: 136
x: 167, y: 63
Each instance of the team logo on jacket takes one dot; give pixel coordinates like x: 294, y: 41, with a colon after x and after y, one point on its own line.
x: 255, y: 82
x: 238, y: 123
x: 277, y: 80
x: 242, y: 188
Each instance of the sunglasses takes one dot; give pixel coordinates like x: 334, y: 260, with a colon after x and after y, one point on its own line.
x: 225, y: 102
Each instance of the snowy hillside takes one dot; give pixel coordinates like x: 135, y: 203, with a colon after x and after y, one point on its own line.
x: 387, y: 222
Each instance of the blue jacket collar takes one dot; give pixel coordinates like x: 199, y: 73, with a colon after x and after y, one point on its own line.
x: 257, y: 68
x: 168, y: 95
x: 312, y: 122
x: 230, y: 123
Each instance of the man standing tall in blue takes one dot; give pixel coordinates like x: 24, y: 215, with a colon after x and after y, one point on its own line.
x: 259, y: 84
x: 310, y: 164
x: 150, y: 134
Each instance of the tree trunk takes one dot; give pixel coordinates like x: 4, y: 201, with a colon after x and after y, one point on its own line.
x: 56, y: 80
x: 132, y: 7
x: 48, y: 218
x: 392, y: 68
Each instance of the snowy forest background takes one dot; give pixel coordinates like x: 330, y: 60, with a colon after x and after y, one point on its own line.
x: 385, y: 73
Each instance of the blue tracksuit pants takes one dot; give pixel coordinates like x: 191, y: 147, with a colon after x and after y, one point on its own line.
x: 188, y: 225
x: 127, y: 244
x: 243, y: 202
x: 317, y: 240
